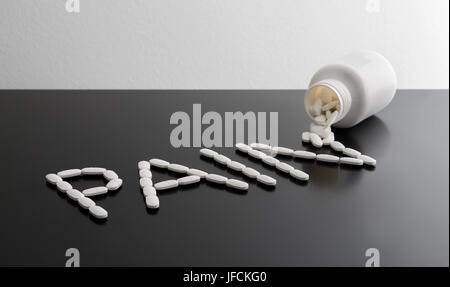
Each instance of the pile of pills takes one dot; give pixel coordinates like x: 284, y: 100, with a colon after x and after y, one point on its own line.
x: 192, y: 176
x: 114, y: 183
x: 237, y: 166
x: 255, y: 150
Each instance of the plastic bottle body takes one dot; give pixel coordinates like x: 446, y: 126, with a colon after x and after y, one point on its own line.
x: 363, y: 83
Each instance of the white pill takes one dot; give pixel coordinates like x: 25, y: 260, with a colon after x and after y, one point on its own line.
x: 306, y: 137
x: 145, y: 181
x: 53, y: 178
x: 207, y: 152
x: 167, y: 184
x: 331, y: 119
x: 194, y: 171
x: 93, y: 170
x: 317, y: 107
x: 337, y: 146
x: 110, y: 175
x: 250, y: 172
x: 327, y: 114
x: 69, y: 173
x: 143, y: 164
x: 177, y: 168
x: 304, y: 154
x: 265, y: 179
x: 243, y: 147
x: 145, y: 173
x: 114, y: 184
x: 190, y: 179
x: 368, y: 160
x: 270, y: 160
x: 327, y: 158
x: 351, y: 161
x: 74, y: 194
x: 86, y: 202
x: 260, y: 146
x: 316, y: 140
x: 159, y: 163
x: 351, y: 152
x: 322, y: 131
x: 221, y: 159
x: 282, y: 150
x: 329, y: 139
x: 256, y: 154
x: 330, y: 105
x: 152, y: 201
x: 93, y: 191
x: 216, y: 178
x: 149, y: 190
x: 63, y: 186
x: 98, y: 211
x: 321, y: 119
x: 298, y: 174
x: 237, y: 184
x: 284, y: 167
x: 234, y: 165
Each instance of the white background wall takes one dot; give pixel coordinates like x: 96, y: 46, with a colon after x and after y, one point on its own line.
x: 215, y: 44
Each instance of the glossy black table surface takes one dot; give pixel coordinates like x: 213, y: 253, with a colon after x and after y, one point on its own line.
x: 401, y: 207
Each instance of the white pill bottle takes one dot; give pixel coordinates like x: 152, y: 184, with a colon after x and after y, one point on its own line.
x: 363, y: 83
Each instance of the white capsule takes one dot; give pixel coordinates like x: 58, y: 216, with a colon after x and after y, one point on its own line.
x: 298, y: 174
x: 69, y: 173
x: 216, y: 178
x: 114, y: 184
x: 221, y: 159
x: 331, y: 119
x: 149, y: 190
x: 85, y: 202
x: 74, y: 194
x: 270, y: 160
x: 282, y: 150
x: 322, y: 131
x: 320, y: 119
x: 159, y: 163
x: 316, y: 140
x: 167, y: 184
x: 256, y: 154
x: 177, y: 168
x: 327, y: 158
x: 368, y: 160
x: 63, y: 186
x: 190, y: 179
x: 110, y: 175
x: 329, y: 106
x: 351, y: 152
x: 53, y: 178
x: 93, y: 170
x: 152, y: 201
x: 260, y: 146
x: 143, y: 164
x: 284, y: 167
x: 306, y: 137
x: 145, y: 181
x: 194, y: 171
x: 265, y: 179
x: 234, y: 165
x: 145, y: 173
x: 250, y: 172
x: 351, y: 161
x: 304, y: 154
x: 98, y: 212
x: 207, y: 152
x: 327, y: 114
x: 317, y: 107
x: 243, y: 147
x: 93, y: 191
x: 329, y: 139
x: 237, y: 184
x: 337, y: 146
